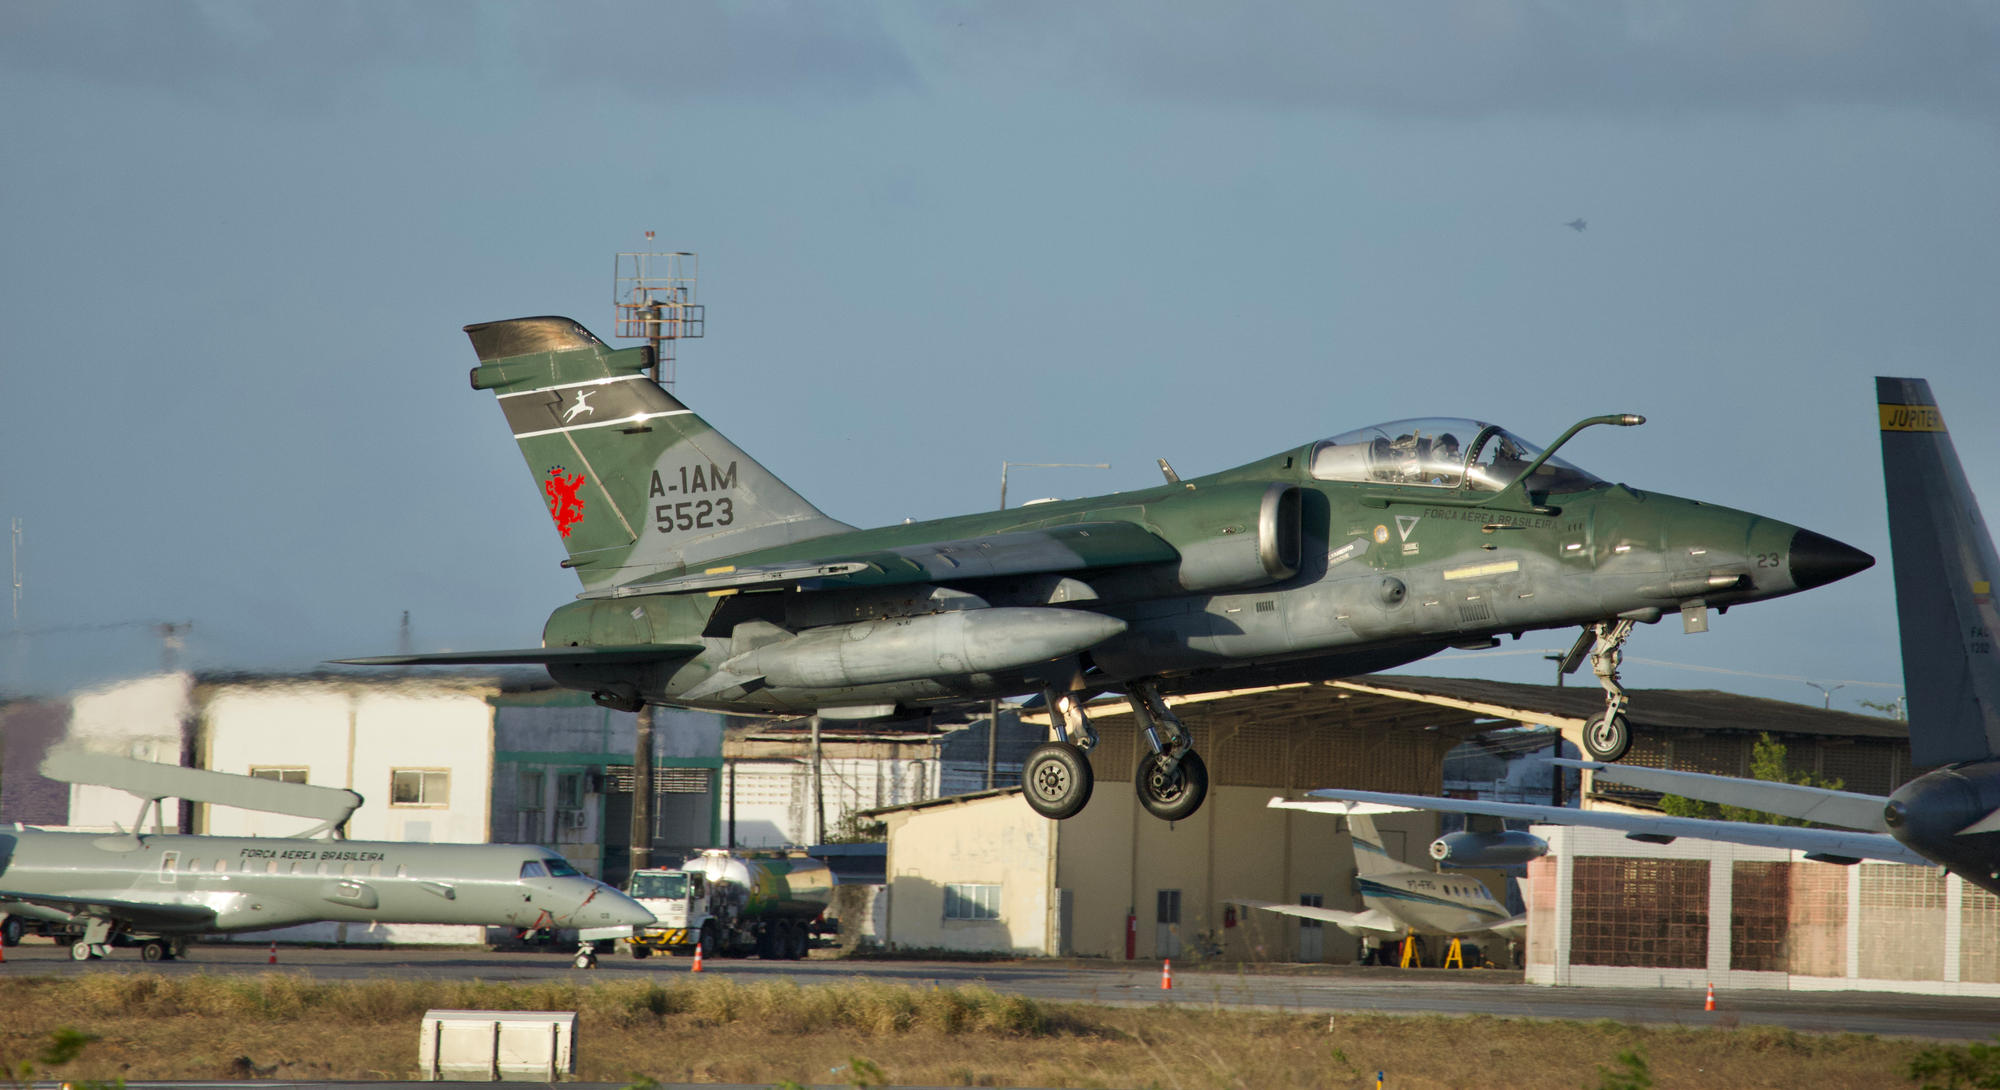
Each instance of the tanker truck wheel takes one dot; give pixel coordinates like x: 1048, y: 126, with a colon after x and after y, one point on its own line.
x: 801, y: 942
x: 1057, y: 780
x: 640, y: 950
x: 707, y: 940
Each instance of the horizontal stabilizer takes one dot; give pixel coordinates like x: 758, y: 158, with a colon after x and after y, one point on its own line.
x: 538, y: 656
x: 1847, y: 809
x: 1830, y: 842
x: 1373, y: 920
x: 1336, y: 807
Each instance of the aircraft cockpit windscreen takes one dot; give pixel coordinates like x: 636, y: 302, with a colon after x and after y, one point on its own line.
x: 1442, y: 453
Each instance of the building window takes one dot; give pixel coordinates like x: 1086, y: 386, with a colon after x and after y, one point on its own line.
x: 530, y: 803
x: 968, y: 902
x: 280, y: 774
x: 419, y: 787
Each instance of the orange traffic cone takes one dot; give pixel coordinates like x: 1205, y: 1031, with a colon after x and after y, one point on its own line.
x: 697, y: 959
x: 1709, y: 1003
x: 273, y: 959
x: 1166, y: 974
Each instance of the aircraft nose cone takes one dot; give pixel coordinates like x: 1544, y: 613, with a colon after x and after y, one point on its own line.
x: 1818, y: 559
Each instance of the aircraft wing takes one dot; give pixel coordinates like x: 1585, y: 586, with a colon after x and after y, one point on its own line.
x: 1847, y: 809
x: 538, y: 656
x: 142, y: 915
x: 1372, y: 920
x: 1830, y: 845
x: 1079, y: 546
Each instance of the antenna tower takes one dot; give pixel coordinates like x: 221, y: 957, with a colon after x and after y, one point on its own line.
x: 653, y: 294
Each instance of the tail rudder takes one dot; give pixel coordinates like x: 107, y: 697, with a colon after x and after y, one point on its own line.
x: 1370, y: 856
x: 636, y: 483
x: 1944, y: 563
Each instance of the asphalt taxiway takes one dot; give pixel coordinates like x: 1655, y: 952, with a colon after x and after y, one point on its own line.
x: 1317, y: 989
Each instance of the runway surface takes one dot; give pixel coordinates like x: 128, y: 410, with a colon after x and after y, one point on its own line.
x: 1316, y: 988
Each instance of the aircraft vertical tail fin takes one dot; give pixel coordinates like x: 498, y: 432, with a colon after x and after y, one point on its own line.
x: 1944, y: 565
x: 1370, y: 856
x: 637, y: 484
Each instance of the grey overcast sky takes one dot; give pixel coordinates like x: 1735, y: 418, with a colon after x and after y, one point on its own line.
x: 239, y: 240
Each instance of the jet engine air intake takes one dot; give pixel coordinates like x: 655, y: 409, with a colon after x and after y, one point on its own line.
x: 1250, y: 553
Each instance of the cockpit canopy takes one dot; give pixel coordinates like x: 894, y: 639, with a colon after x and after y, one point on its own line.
x: 1442, y: 453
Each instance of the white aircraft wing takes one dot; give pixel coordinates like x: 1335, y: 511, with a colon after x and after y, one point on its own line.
x: 1847, y: 809
x: 144, y: 915
x: 1354, y: 923
x: 1831, y: 845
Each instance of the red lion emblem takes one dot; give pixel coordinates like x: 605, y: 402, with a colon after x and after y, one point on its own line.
x: 565, y: 506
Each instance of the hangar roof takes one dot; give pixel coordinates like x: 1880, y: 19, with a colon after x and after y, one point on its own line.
x: 1656, y: 709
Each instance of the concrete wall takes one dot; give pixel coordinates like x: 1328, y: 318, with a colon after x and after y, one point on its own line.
x: 993, y: 842
x: 145, y: 719
x: 1605, y: 911
x: 774, y: 796
x: 355, y: 735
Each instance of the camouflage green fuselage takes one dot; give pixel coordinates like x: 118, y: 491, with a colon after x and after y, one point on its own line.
x: 1385, y: 575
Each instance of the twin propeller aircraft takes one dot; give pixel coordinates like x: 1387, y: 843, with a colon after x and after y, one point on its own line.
x: 709, y: 583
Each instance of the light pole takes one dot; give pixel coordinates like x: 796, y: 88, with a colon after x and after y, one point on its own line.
x: 993, y: 706
x: 1828, y: 693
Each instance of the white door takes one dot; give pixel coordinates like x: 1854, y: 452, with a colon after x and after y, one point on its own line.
x: 1312, y: 946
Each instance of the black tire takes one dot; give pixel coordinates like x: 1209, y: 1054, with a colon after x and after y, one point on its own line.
x: 153, y: 950
x: 801, y: 942
x: 1606, y: 738
x: 1057, y: 780
x: 641, y: 951
x: 81, y: 951
x: 707, y: 941
x: 1174, y: 798
x: 11, y: 931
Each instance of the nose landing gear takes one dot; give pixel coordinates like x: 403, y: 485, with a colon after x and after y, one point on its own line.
x: 1606, y: 737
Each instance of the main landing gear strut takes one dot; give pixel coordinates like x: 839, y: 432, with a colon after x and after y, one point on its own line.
x: 1171, y: 781
x: 1057, y: 778
x: 1606, y: 737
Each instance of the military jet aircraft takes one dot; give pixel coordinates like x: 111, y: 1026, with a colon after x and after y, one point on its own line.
x: 160, y: 890
x: 709, y: 583
x: 1944, y: 566
x: 1399, y: 900
x: 1577, y: 225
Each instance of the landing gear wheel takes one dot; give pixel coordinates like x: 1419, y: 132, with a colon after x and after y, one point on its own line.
x: 1607, y: 737
x: 153, y: 950
x: 641, y: 951
x: 585, y: 959
x: 11, y: 930
x: 1175, y: 796
x: 82, y: 951
x: 1057, y: 780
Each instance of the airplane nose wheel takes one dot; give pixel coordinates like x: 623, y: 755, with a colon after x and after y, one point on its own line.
x: 1057, y: 780
x: 1171, y: 792
x: 586, y: 957
x: 1607, y: 737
